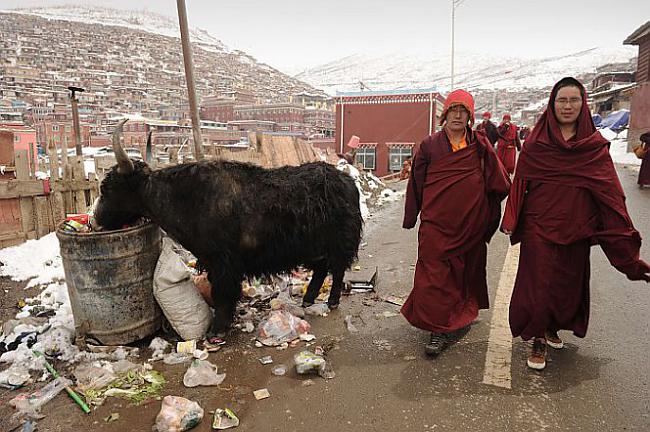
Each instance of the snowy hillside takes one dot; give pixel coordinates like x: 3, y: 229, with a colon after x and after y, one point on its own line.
x: 473, y: 70
x: 134, y: 19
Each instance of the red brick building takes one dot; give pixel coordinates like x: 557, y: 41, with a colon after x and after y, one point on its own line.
x: 389, y: 124
x: 14, y: 138
x: 60, y: 131
x: 640, y: 101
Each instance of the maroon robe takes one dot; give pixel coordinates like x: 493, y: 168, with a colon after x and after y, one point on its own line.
x: 644, y: 173
x: 565, y: 197
x: 508, y: 145
x: 457, y: 195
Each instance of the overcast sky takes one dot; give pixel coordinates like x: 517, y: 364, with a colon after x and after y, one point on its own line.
x: 295, y: 34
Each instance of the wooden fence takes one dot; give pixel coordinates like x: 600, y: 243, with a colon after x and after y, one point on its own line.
x: 31, y: 208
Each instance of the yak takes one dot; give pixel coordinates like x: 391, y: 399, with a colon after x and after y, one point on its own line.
x: 241, y: 220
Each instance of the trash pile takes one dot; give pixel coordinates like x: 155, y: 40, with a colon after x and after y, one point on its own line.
x: 43, y: 331
x: 373, y: 192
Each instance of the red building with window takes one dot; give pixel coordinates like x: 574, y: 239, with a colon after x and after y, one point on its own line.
x: 389, y: 124
x: 640, y: 101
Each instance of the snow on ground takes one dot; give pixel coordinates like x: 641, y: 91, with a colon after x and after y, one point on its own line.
x: 38, y: 260
x: 619, y: 147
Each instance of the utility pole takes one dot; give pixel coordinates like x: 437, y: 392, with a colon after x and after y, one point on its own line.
x: 454, y: 5
x: 189, y: 78
x: 75, y: 118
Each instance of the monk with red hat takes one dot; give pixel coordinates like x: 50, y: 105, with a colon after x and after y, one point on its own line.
x: 456, y: 186
x: 565, y: 197
x: 488, y: 127
x: 508, y: 143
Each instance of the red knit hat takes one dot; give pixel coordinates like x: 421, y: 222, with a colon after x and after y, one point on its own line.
x: 458, y: 97
x: 506, y: 117
x: 487, y: 114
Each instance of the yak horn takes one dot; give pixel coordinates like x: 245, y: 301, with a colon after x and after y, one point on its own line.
x: 148, y: 153
x: 124, y: 164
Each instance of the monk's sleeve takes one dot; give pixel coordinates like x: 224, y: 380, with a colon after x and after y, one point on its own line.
x: 513, y: 205
x: 415, y: 186
x: 621, y: 244
x: 517, y: 142
x: 497, y: 184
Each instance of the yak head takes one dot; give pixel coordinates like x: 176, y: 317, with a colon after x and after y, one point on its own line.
x: 120, y: 202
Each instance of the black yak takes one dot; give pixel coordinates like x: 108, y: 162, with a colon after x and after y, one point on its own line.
x: 242, y: 220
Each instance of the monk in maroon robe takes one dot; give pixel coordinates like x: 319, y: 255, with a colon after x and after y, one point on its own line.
x: 565, y: 197
x: 489, y: 128
x: 456, y: 186
x: 508, y: 143
x: 644, y: 173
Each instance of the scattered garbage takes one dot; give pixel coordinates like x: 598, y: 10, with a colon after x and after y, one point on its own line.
x: 306, y: 337
x: 202, y: 373
x: 224, y: 419
x: 75, y: 397
x: 14, y: 377
x: 178, y: 414
x: 279, y: 370
x: 359, y: 286
x: 318, y: 309
x: 261, y: 394
x: 158, y: 345
x: 29, y: 426
x: 30, y: 404
x: 308, y: 362
x: 394, y: 300
x: 248, y: 327
x: 135, y: 383
x: 186, y: 347
x: 281, y: 327
x: 90, y: 377
x: 382, y: 344
x: 176, y: 358
x: 266, y: 360
x: 349, y: 325
x: 112, y: 417
x: 387, y: 314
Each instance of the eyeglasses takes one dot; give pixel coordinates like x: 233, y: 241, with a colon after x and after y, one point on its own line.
x: 573, y: 101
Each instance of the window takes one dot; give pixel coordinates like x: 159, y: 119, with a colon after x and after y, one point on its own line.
x: 67, y: 128
x: 397, y: 156
x: 16, y: 138
x: 366, y: 157
x: 55, y: 128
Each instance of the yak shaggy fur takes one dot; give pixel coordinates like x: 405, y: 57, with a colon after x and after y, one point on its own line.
x: 242, y: 220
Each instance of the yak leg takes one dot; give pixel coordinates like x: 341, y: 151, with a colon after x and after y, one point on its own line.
x: 226, y: 290
x: 337, y: 287
x: 314, y: 286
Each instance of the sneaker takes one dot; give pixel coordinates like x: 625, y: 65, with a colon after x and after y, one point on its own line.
x: 553, y: 340
x: 537, y: 357
x: 436, y: 345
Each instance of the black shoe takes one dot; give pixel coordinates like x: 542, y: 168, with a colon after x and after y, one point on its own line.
x: 457, y: 335
x: 436, y: 345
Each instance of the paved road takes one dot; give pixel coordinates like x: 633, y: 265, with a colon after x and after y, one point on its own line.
x: 385, y: 382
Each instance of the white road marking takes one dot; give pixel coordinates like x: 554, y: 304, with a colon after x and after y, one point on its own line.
x: 499, y: 352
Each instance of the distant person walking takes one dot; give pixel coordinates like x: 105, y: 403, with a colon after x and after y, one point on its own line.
x: 508, y: 143
x: 488, y: 127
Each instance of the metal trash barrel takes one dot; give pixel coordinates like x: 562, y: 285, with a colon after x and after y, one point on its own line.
x: 109, y: 276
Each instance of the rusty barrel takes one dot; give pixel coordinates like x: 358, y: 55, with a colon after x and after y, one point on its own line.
x: 110, y: 282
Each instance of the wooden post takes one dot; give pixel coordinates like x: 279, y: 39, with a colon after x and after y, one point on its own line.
x: 189, y: 79
x: 54, y: 162
x: 26, y: 203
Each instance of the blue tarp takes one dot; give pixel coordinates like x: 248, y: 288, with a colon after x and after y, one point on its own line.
x: 616, y: 120
x: 597, y: 119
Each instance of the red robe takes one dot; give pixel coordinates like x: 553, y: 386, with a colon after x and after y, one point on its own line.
x: 565, y: 197
x: 457, y: 195
x: 508, y: 145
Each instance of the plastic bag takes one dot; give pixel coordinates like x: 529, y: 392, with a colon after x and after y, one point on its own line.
x: 93, y: 377
x: 31, y: 404
x: 307, y: 362
x: 202, y: 373
x: 178, y: 414
x: 178, y: 297
x: 318, y: 309
x: 281, y: 327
